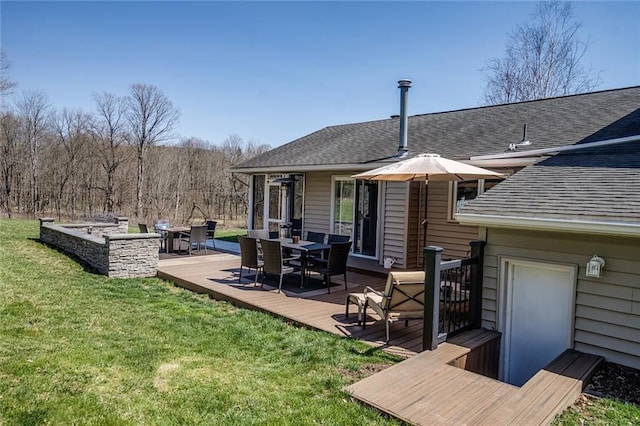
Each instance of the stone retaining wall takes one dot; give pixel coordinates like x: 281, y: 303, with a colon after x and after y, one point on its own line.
x: 105, y: 247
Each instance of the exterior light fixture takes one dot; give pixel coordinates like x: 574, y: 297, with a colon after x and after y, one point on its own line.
x: 595, y: 266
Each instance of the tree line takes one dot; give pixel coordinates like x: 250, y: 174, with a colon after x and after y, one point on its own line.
x: 120, y: 159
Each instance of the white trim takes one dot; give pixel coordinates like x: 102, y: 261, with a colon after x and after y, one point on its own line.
x: 251, y: 201
x: 545, y: 224
x: 537, y: 152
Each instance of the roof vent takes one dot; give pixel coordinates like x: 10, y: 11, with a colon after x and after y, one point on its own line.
x: 403, y: 85
x: 523, y: 142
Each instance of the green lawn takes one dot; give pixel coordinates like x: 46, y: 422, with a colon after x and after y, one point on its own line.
x: 79, y: 348
x: 599, y: 412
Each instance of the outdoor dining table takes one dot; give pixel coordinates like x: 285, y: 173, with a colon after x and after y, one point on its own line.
x: 173, y: 234
x: 305, y: 248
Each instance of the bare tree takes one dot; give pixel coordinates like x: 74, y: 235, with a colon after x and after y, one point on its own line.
x: 5, y: 83
x: 33, y: 108
x: 108, y: 134
x: 10, y: 157
x: 543, y: 59
x: 71, y: 136
x: 151, y: 117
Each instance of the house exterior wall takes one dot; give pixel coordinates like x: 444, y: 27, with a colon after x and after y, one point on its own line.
x: 450, y: 235
x: 607, y: 311
x: 401, y: 218
x: 317, y: 200
x: 395, y: 213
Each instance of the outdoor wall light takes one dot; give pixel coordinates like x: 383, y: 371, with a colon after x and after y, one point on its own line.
x: 595, y: 266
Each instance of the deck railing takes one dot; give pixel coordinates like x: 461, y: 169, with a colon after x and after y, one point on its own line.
x: 453, y: 294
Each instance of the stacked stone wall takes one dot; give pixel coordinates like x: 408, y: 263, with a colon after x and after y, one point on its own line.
x: 105, y: 247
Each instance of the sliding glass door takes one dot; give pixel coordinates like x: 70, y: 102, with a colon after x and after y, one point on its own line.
x: 355, y: 213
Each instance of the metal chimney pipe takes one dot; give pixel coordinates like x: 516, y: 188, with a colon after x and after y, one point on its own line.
x: 403, y: 85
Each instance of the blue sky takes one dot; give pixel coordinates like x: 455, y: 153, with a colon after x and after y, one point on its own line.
x: 275, y: 71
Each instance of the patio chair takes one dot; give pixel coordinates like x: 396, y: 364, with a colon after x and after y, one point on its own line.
x: 335, y: 264
x: 197, y: 235
x: 402, y: 298
x: 274, y: 263
x: 249, y: 256
x: 335, y: 238
x: 211, y: 231
x: 296, y: 227
x: 144, y: 229
x: 315, y: 237
x: 161, y: 227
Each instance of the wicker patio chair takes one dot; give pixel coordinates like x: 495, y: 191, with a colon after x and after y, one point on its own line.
x: 335, y: 264
x: 249, y: 256
x: 274, y: 263
x: 197, y: 235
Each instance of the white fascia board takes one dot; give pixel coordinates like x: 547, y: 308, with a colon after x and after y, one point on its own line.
x: 307, y: 168
x: 545, y: 224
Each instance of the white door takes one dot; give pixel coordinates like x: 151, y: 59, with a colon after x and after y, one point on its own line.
x: 538, y: 319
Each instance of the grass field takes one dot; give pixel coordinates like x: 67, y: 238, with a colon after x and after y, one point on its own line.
x: 79, y: 348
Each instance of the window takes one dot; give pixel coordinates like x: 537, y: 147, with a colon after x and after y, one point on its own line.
x: 460, y: 193
x: 343, y: 199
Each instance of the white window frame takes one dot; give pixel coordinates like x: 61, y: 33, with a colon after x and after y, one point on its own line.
x: 452, y: 201
x: 332, y: 215
x: 379, y: 207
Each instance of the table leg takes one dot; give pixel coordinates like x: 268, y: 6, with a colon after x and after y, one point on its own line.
x: 303, y: 268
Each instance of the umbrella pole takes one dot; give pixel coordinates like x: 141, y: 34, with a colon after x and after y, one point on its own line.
x: 424, y: 220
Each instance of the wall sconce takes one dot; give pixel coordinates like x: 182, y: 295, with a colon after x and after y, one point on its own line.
x: 595, y: 266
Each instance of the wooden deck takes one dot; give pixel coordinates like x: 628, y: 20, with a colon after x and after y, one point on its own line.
x: 217, y: 275
x: 428, y: 388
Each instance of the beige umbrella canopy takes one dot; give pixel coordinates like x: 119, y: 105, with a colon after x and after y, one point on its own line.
x: 428, y: 167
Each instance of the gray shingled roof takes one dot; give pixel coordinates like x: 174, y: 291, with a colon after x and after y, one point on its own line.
x: 463, y: 133
x: 595, y: 184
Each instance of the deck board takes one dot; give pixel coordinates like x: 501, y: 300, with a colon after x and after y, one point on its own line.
x: 425, y: 388
x: 217, y: 275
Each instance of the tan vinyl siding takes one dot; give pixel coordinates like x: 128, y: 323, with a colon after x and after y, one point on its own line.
x: 451, y: 236
x: 395, y: 222
x: 317, y: 200
x: 607, y: 312
x: 414, y: 226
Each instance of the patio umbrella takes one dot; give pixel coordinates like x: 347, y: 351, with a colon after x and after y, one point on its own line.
x: 428, y: 167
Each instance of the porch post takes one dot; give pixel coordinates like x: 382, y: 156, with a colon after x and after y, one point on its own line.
x: 477, y: 252
x: 432, y: 258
